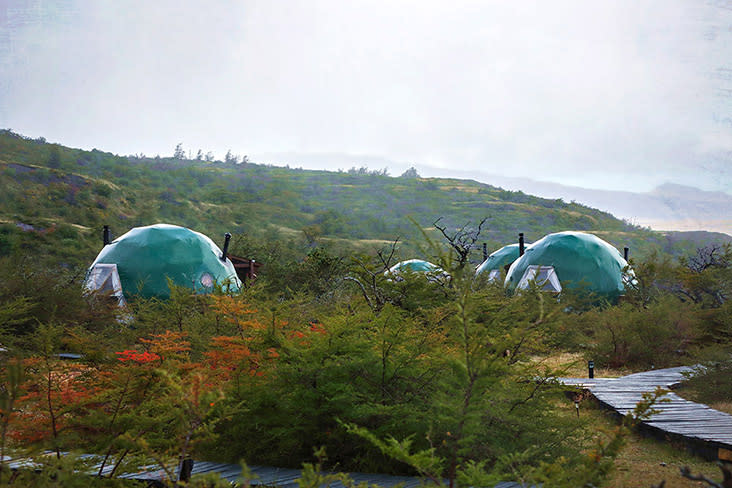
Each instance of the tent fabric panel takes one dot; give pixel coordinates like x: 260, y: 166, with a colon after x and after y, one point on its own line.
x: 414, y: 266
x: 432, y: 272
x: 494, y: 275
x: 499, y: 259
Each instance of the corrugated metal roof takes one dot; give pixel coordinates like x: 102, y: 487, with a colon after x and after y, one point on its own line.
x: 288, y: 478
x: 280, y: 477
x: 261, y: 475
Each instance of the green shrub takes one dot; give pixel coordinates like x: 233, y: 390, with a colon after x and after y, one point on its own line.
x: 662, y: 334
x: 711, y: 384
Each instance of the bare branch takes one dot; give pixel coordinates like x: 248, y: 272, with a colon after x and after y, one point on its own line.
x: 462, y: 241
x: 537, y: 387
x: 387, y: 261
x: 686, y: 473
x: 706, y: 257
x: 363, y: 290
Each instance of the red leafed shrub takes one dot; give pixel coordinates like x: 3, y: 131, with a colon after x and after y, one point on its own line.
x: 137, y: 357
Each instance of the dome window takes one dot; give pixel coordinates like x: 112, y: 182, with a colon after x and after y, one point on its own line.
x: 207, y: 280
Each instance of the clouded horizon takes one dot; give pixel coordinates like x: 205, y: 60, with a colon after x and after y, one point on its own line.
x: 608, y: 94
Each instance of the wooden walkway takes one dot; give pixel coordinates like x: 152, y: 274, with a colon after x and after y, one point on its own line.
x: 707, y: 431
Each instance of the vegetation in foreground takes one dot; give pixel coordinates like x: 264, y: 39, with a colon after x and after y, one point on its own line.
x: 399, y: 376
x: 711, y: 385
x: 446, y: 379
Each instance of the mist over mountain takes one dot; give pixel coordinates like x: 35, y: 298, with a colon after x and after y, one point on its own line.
x: 669, y: 206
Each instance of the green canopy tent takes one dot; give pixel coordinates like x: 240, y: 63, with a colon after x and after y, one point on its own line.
x: 141, y: 261
x: 414, y: 266
x: 417, y: 266
x: 573, y: 260
x: 496, y: 263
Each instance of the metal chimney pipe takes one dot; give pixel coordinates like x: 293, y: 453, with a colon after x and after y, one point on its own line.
x: 521, y: 244
x: 485, y: 251
x: 227, y: 238
x: 106, y: 235
x: 626, y: 252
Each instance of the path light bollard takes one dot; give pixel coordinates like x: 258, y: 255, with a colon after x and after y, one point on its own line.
x: 185, y: 469
x: 591, y: 369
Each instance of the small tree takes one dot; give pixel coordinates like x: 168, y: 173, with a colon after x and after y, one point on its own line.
x: 11, y: 383
x: 410, y: 173
x: 54, y: 156
x: 462, y: 241
x: 179, y: 152
x: 231, y: 157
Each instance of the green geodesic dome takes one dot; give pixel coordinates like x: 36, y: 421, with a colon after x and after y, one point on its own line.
x: 147, y: 256
x: 415, y: 266
x: 582, y: 262
x: 500, y: 259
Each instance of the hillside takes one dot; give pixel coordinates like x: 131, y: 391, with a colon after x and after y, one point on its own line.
x: 669, y: 206
x: 56, y: 200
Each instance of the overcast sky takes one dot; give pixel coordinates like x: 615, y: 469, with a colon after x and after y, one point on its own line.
x: 603, y: 94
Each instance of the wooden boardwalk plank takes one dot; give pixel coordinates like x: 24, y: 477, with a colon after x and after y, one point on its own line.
x: 676, y: 415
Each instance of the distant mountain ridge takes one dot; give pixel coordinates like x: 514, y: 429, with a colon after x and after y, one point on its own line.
x: 668, y: 207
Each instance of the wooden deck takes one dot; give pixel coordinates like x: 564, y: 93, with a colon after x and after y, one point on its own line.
x: 707, y: 431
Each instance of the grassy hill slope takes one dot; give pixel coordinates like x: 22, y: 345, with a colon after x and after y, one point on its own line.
x: 56, y: 199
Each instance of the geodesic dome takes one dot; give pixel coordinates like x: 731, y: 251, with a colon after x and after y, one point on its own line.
x: 417, y: 266
x: 494, y: 265
x: 146, y: 257
x: 570, y: 260
x: 414, y: 266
